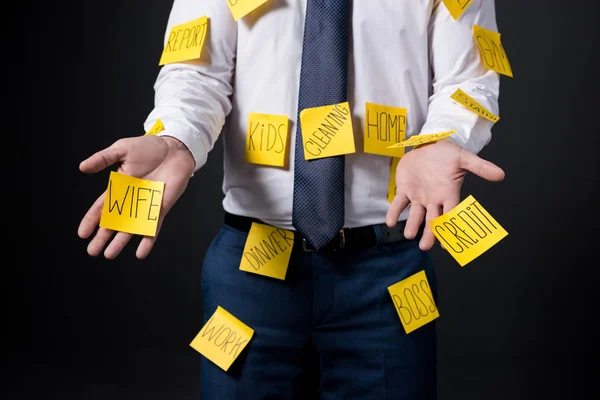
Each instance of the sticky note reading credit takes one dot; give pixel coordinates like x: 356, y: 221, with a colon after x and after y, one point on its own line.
x: 327, y: 131
x: 414, y: 301
x: 467, y: 231
x: 156, y: 128
x: 266, y: 140
x: 384, y: 126
x: 392, y: 181
x: 492, y: 53
x: 132, y: 204
x: 423, y: 138
x: 467, y: 101
x: 267, y: 251
x: 457, y: 7
x: 222, y: 338
x: 185, y: 41
x: 239, y: 8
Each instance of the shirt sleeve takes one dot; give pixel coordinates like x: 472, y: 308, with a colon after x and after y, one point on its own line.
x: 193, y: 98
x: 456, y: 64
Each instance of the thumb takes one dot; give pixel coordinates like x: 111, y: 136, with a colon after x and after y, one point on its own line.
x: 104, y: 158
x: 483, y: 168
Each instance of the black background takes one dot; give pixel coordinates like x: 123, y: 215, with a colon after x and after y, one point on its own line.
x: 516, y: 323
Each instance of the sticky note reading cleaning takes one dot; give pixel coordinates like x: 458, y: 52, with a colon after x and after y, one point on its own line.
x: 384, y: 126
x: 267, y: 251
x: 414, y: 301
x: 185, y: 41
x: 392, y: 181
x: 266, y: 140
x: 493, y: 54
x: 327, y: 131
x: 417, y: 140
x: 239, y: 8
x: 467, y: 231
x: 222, y: 338
x: 467, y: 101
x: 157, y: 127
x: 132, y: 204
x: 457, y: 7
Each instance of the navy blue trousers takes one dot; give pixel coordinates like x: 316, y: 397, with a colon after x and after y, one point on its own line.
x: 328, y: 331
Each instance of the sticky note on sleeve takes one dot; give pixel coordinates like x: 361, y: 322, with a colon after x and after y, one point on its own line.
x: 156, y: 128
x: 239, y: 8
x: 185, y: 41
x: 492, y: 52
x: 467, y: 231
x: 414, y: 301
x: 457, y: 7
x: 467, y: 101
x: 267, y: 251
x: 327, y: 131
x: 266, y: 139
x: 222, y: 338
x: 423, y: 138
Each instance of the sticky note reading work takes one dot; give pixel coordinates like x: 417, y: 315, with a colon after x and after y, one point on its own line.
x: 457, y: 7
x: 156, y: 128
x: 267, y: 251
x: 327, y: 131
x: 392, y: 180
x: 467, y: 101
x: 423, y: 138
x: 239, y: 8
x: 414, y: 301
x: 185, y: 41
x: 222, y: 338
x: 467, y: 231
x: 266, y: 140
x: 492, y: 53
x: 384, y: 126
x: 132, y: 204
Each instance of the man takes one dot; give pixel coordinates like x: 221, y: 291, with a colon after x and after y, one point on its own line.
x: 350, y: 243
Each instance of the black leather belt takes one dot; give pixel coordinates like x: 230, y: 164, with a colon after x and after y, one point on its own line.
x: 347, y: 239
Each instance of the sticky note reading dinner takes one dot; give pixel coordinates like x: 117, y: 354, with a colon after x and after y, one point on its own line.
x: 467, y: 231
x: 467, y: 101
x: 457, y: 7
x: 222, y: 338
x: 492, y: 53
x: 327, y: 131
x: 414, y: 301
x: 384, y: 126
x: 239, y: 8
x: 423, y: 138
x: 266, y: 140
x: 156, y: 128
x: 185, y: 41
x: 267, y: 251
x: 132, y: 204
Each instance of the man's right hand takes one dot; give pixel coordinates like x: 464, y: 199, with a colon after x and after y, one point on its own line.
x: 157, y: 158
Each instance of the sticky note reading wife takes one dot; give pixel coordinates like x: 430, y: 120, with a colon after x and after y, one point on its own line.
x: 222, y: 338
x: 132, y: 204
x: 267, y: 251
x: 423, y: 138
x: 492, y: 53
x: 185, y: 41
x: 414, y: 301
x: 266, y: 140
x: 467, y: 231
x: 239, y: 8
x: 327, y: 131
x: 384, y: 126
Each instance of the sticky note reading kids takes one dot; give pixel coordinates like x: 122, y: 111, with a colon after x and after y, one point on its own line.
x: 492, y: 53
x: 467, y: 101
x: 240, y: 8
x: 392, y: 181
x: 156, y: 128
x: 185, y: 41
x: 327, y: 131
x: 266, y: 140
x: 417, y: 140
x: 384, y: 126
x: 414, y: 302
x: 467, y: 231
x: 132, y: 204
x: 222, y: 338
x: 457, y: 7
x: 267, y: 251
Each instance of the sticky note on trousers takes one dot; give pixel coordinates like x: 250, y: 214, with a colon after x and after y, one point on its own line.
x: 327, y: 131
x: 267, y: 251
x: 414, y: 301
x: 185, y: 41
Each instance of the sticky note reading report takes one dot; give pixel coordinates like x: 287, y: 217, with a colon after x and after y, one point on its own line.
x: 239, y: 8
x: 493, y: 54
x: 267, y: 251
x: 327, y: 131
x: 132, y: 204
x: 185, y: 41
x: 423, y: 138
x: 384, y: 126
x: 156, y: 128
x: 414, y: 302
x: 222, y: 338
x: 266, y: 140
x: 467, y: 101
x: 457, y: 7
x: 467, y: 231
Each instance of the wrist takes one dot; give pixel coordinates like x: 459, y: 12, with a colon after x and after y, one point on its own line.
x: 179, y: 149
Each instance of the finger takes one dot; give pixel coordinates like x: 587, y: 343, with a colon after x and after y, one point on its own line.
x: 415, y: 218
x: 91, y: 219
x: 483, y: 168
x: 395, y: 209
x: 147, y: 242
x: 99, y: 241
x: 117, y: 245
x: 104, y: 158
x: 428, y: 238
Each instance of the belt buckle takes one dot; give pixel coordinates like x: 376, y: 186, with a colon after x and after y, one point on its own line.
x: 305, y: 246
x: 342, y: 239
x: 342, y: 243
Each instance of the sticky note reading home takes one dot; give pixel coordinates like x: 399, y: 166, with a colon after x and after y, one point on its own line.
x: 222, y: 338
x: 414, y: 301
x: 266, y: 139
x: 384, y: 126
x: 327, y: 131
x: 492, y: 52
x: 185, y: 41
x: 467, y: 231
x: 132, y: 204
x: 267, y: 251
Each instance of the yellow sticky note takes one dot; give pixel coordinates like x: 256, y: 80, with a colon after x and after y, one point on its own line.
x: 267, y: 251
x: 392, y: 181
x: 467, y: 231
x: 185, y: 41
x: 414, y: 301
x: 222, y: 338
x: 239, y: 8
x: 327, y: 131
x: 384, y: 126
x: 457, y: 7
x: 157, y: 127
x: 423, y: 138
x: 469, y: 102
x: 132, y: 204
x: 492, y: 52
x: 266, y: 139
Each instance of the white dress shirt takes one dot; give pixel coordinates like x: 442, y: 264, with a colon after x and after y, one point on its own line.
x: 403, y: 53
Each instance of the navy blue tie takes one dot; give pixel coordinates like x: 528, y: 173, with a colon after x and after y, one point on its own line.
x: 318, y: 207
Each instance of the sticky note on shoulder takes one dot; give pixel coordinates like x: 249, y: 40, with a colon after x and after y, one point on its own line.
x: 467, y: 231
x: 222, y: 338
x: 267, y: 251
x: 467, y: 101
x: 327, y: 131
x: 266, y: 139
x: 240, y: 8
x: 384, y: 126
x: 414, y: 301
x: 492, y: 52
x: 185, y: 41
x: 156, y: 128
x: 423, y: 138
x: 132, y: 204
x: 457, y: 7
